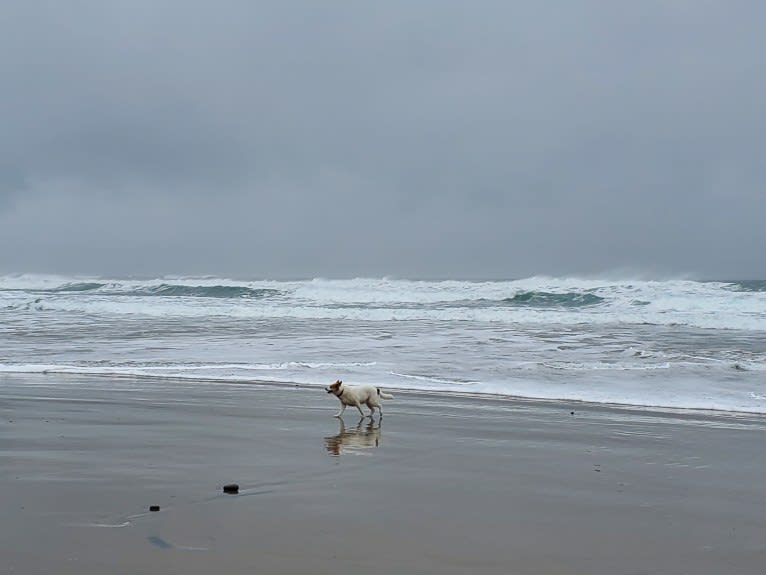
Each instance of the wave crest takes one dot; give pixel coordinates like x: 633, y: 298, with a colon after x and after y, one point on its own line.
x: 748, y: 286
x: 216, y: 291
x: 548, y: 299
x: 78, y: 287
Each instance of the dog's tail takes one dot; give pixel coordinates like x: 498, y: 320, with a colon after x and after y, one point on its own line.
x: 384, y: 395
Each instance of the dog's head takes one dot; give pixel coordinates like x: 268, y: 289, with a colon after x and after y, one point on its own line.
x: 334, y: 388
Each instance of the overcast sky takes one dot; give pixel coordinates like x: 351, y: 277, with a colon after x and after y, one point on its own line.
x: 400, y: 138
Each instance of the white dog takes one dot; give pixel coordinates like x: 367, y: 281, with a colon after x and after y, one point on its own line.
x: 357, y: 395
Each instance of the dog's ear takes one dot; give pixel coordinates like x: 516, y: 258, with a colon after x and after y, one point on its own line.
x: 338, y: 382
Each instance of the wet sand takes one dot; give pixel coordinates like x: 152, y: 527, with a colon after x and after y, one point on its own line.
x: 443, y: 485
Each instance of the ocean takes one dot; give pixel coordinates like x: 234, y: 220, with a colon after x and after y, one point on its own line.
x: 673, y: 344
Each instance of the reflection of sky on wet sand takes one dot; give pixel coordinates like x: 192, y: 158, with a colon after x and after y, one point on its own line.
x: 353, y: 439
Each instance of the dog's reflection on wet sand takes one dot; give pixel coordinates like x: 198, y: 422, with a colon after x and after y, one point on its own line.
x: 353, y: 439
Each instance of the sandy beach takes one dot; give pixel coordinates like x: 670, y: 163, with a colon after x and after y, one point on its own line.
x: 444, y: 484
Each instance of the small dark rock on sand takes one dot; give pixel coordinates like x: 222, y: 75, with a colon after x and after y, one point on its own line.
x: 154, y: 508
x: 231, y: 488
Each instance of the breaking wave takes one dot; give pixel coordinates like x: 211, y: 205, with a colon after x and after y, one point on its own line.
x: 537, y: 300
x: 748, y: 286
x: 547, y: 299
x: 218, y: 291
x: 77, y: 287
x: 151, y: 289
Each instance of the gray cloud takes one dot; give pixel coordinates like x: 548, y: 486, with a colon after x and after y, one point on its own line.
x: 418, y: 139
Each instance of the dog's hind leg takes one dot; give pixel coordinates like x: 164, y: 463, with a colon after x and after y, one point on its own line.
x: 342, y: 409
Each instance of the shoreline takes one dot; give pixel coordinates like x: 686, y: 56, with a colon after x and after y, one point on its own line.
x: 659, y: 409
x: 440, y: 485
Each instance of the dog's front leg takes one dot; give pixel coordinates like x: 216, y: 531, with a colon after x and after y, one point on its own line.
x: 342, y: 409
x: 359, y: 407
